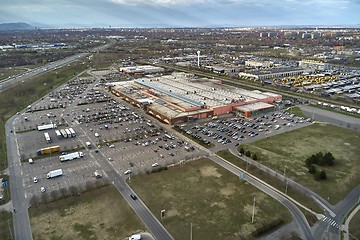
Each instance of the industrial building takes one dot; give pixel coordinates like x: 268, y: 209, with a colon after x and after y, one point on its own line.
x: 145, y: 69
x: 181, y: 97
x: 272, y: 73
x: 314, y: 65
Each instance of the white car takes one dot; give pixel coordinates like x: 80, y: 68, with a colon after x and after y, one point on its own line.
x: 35, y: 180
x: 42, y: 189
x: 155, y: 164
x: 127, y: 172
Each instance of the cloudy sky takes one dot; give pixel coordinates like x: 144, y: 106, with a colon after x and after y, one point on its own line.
x: 180, y: 13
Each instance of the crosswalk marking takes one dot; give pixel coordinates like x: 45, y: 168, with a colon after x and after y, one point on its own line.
x: 330, y: 221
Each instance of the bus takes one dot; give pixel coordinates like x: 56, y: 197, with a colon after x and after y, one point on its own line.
x: 47, y: 137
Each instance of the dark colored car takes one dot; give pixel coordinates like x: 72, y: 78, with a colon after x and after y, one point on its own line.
x: 134, y: 197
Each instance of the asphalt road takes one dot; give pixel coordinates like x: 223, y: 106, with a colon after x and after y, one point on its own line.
x: 334, y: 118
x: 150, y: 221
x: 22, y: 229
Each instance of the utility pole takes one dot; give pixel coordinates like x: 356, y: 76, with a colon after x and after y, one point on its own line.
x: 191, y: 231
x: 253, y: 213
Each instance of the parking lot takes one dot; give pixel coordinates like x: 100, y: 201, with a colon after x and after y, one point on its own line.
x: 118, y: 133
x: 235, y: 130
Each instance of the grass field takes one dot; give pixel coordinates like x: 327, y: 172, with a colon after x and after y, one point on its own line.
x: 289, y: 151
x: 276, y: 183
x: 6, y: 191
x: 217, y: 203
x: 354, y: 229
x: 18, y: 97
x: 6, y: 225
x: 98, y: 214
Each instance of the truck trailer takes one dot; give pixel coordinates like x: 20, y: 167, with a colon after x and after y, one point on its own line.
x: 71, y: 156
x: 48, y: 150
x: 73, y: 134
x: 58, y: 134
x: 46, y: 126
x: 47, y: 137
x: 63, y: 133
x: 54, y: 173
x: 68, y: 133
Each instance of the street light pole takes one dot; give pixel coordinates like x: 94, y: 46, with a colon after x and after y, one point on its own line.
x: 253, y: 213
x: 286, y: 187
x: 191, y: 231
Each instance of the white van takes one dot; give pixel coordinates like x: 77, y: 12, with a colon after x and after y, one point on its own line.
x: 31, y: 160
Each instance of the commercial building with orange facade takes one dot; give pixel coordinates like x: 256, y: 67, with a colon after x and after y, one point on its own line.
x: 181, y: 97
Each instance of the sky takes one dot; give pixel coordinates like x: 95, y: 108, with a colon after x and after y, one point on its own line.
x: 179, y: 13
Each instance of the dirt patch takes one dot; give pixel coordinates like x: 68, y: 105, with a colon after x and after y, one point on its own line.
x: 171, y: 213
x: 228, y: 190
x: 166, y: 194
x: 218, y: 204
x: 347, y: 144
x: 209, y: 171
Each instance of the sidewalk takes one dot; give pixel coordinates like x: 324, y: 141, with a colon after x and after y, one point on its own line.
x: 345, y: 227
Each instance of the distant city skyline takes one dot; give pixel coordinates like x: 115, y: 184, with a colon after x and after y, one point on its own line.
x: 179, y: 13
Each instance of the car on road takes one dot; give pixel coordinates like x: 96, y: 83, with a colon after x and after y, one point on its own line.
x: 155, y: 164
x: 240, y: 154
x: 42, y: 189
x: 110, y: 159
x: 127, y: 172
x: 31, y: 161
x: 134, y: 197
x: 35, y: 180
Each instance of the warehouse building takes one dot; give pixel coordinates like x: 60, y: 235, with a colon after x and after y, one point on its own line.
x: 272, y: 73
x: 145, y: 69
x: 181, y: 98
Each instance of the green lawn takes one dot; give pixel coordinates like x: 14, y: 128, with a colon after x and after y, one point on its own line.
x: 216, y: 202
x: 6, y: 225
x: 354, y: 229
x: 289, y: 151
x: 276, y: 183
x: 98, y: 214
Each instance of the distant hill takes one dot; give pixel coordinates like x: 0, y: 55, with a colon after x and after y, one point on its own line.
x: 15, y: 26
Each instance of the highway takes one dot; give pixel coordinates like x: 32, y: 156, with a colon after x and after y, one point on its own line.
x: 4, y: 84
